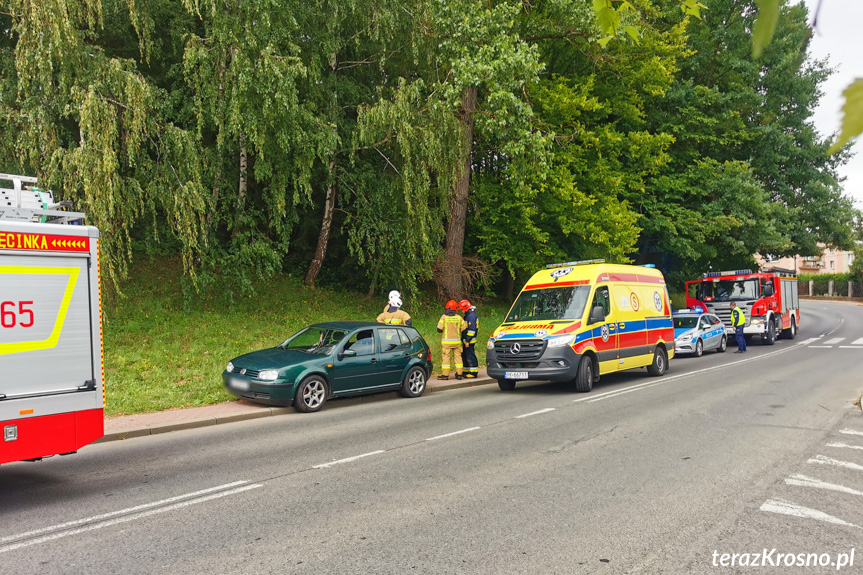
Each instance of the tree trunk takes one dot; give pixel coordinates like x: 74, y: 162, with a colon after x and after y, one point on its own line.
x: 453, y: 280
x: 241, y: 187
x: 372, y: 287
x: 324, y: 237
x: 509, y: 288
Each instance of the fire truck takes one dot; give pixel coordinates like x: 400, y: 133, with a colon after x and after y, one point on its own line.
x: 51, y: 364
x: 768, y: 298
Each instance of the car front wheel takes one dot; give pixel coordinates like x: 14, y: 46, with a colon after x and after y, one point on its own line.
x: 584, y: 376
x: 723, y: 345
x: 414, y: 383
x: 699, y: 348
x: 311, y: 394
x: 506, y: 384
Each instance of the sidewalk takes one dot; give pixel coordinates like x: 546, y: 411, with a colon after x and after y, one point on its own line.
x: 129, y: 426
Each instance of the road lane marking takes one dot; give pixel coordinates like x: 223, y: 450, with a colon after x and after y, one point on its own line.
x: 820, y: 346
x: 823, y: 460
x: 453, y: 433
x: 851, y: 432
x: 803, y: 481
x: 125, y: 518
x: 834, y: 341
x: 787, y: 508
x: 126, y: 511
x: 810, y: 340
x: 546, y: 410
x: 857, y: 341
x: 347, y: 459
x: 844, y: 445
x: 851, y: 346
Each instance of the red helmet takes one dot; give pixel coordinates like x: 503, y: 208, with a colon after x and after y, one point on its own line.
x: 452, y: 305
x: 464, y: 305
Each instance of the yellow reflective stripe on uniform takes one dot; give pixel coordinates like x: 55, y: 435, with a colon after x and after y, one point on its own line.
x: 450, y: 341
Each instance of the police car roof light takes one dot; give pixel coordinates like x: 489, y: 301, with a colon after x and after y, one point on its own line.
x: 578, y: 263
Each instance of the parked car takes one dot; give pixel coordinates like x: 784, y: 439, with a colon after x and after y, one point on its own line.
x: 696, y: 332
x: 334, y: 359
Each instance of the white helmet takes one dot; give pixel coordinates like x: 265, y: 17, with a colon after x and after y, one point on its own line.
x: 395, y: 299
x: 395, y: 294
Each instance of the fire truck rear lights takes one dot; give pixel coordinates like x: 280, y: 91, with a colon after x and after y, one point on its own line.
x: 10, y: 433
x: 578, y: 263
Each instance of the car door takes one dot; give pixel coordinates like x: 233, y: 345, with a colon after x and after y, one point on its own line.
x: 704, y: 332
x: 718, y: 330
x: 395, y: 350
x: 605, y: 337
x: 357, y: 364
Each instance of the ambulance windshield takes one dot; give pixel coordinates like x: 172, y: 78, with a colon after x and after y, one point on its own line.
x: 553, y: 303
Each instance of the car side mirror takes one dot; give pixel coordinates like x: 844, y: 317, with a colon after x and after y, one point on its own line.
x: 347, y: 353
x: 597, y: 314
x: 768, y: 290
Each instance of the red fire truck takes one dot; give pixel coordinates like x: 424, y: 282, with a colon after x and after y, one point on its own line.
x: 51, y: 374
x: 768, y: 298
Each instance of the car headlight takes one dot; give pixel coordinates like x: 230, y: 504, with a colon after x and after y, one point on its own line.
x: 757, y: 322
x: 230, y: 367
x: 268, y: 375
x: 490, y: 344
x: 685, y: 337
x: 560, y: 341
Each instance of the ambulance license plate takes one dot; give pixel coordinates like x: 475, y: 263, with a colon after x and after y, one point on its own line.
x: 239, y: 384
x: 515, y: 375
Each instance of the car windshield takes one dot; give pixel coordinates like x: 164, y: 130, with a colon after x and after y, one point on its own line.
x: 551, y: 303
x: 728, y: 290
x: 686, y: 322
x: 315, y: 340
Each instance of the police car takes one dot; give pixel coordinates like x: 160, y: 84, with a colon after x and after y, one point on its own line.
x: 696, y: 332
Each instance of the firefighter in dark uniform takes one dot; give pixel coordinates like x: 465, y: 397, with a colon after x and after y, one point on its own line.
x: 468, y: 339
x: 450, y: 327
x: 738, y: 322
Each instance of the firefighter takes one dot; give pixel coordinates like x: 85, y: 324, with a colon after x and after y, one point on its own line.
x: 738, y: 321
x: 450, y: 326
x: 468, y: 339
x: 392, y: 313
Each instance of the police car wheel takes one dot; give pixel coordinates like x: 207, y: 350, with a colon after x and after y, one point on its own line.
x: 660, y: 362
x: 506, y: 384
x: 723, y: 345
x: 414, y: 383
x: 584, y: 376
x: 699, y: 348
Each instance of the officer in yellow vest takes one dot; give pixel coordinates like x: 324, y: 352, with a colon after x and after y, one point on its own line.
x: 450, y: 326
x: 738, y: 322
x: 392, y: 314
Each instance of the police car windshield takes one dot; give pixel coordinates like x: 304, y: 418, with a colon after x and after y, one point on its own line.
x: 315, y: 340
x: 729, y: 290
x: 552, y: 303
x: 686, y: 322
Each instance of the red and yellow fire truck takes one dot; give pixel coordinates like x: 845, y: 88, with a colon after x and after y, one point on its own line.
x: 768, y: 298
x: 51, y: 374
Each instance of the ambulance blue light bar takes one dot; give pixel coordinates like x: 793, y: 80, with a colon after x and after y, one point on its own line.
x: 648, y: 266
x: 578, y: 263
x: 726, y: 273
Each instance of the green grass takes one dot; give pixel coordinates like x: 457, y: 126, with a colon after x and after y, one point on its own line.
x: 161, y: 356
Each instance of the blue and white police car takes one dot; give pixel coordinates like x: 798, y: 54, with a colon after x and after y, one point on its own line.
x: 696, y: 332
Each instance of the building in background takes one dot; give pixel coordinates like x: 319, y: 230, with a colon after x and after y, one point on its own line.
x: 829, y: 262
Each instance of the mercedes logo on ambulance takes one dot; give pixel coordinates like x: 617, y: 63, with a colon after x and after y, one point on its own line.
x: 515, y: 348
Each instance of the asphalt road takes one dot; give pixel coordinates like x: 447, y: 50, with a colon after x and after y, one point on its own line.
x: 729, y: 453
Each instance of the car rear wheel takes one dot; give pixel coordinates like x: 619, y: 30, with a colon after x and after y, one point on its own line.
x: 699, y: 348
x: 791, y: 332
x: 660, y: 362
x: 506, y: 384
x: 311, y: 394
x: 414, y: 383
x: 584, y: 376
x: 723, y: 345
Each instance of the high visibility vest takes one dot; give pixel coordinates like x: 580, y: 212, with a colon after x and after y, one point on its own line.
x: 738, y: 318
x: 451, y: 327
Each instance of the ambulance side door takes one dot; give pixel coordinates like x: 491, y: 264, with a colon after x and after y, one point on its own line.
x: 605, y: 332
x: 631, y: 326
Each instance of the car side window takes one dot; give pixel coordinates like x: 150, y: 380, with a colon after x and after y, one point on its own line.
x: 390, y: 340
x: 601, y: 298
x: 362, y: 342
x: 404, y: 340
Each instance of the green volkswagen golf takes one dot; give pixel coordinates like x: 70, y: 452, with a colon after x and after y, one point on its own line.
x: 334, y: 359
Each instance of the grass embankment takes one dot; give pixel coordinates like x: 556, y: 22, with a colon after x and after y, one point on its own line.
x: 160, y: 356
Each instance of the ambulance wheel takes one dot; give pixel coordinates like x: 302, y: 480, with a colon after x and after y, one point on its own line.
x: 723, y: 345
x: 506, y: 384
x: 770, y: 337
x: 584, y: 377
x: 660, y: 362
x: 699, y: 348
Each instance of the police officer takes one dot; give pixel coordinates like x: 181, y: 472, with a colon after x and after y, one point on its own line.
x: 738, y: 321
x: 450, y: 326
x: 392, y: 314
x: 468, y: 339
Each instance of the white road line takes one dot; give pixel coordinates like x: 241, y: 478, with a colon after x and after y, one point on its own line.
x: 126, y: 511
x: 125, y: 519
x: 347, y: 459
x: 453, y: 433
x: 546, y: 410
x: 787, y: 508
x: 841, y: 321
x: 821, y: 346
x: 857, y: 341
x: 810, y: 340
x: 823, y: 460
x: 844, y: 445
x: 851, y: 346
x: 834, y: 341
x: 616, y: 392
x: 803, y: 481
x: 851, y: 432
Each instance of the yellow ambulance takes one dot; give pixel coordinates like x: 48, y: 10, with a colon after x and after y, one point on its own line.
x: 576, y: 321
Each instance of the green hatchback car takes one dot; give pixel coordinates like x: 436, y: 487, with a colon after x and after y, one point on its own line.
x: 334, y: 359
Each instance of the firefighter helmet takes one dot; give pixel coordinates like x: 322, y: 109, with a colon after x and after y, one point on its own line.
x: 464, y: 305
x: 395, y: 299
x: 452, y: 305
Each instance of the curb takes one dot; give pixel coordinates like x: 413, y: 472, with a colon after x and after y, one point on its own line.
x: 265, y: 411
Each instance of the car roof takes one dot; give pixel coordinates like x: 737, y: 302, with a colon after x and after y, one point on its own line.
x: 351, y: 324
